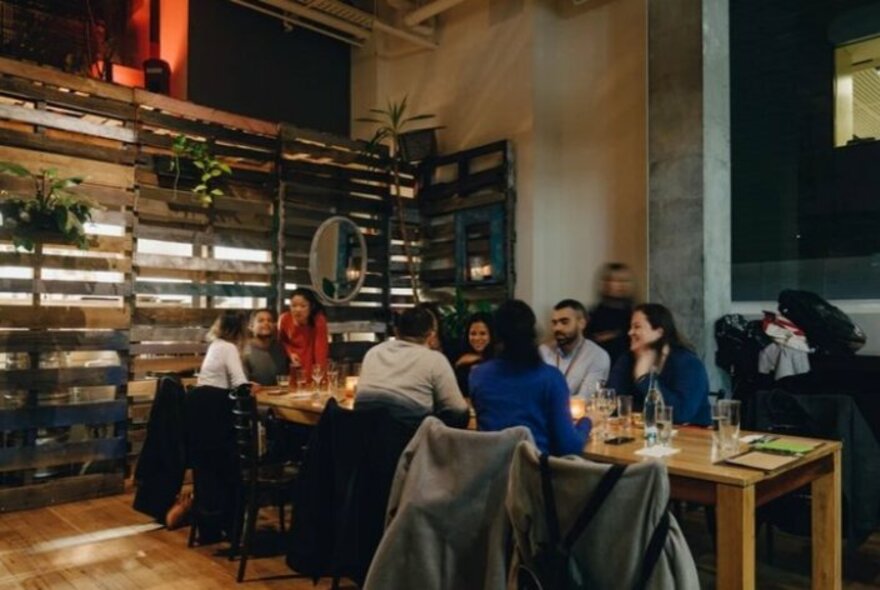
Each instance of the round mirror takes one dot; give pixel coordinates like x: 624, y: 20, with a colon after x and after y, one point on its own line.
x: 338, y: 260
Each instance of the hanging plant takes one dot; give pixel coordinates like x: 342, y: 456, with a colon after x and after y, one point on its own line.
x: 392, y: 123
x: 53, y: 213
x: 210, y: 169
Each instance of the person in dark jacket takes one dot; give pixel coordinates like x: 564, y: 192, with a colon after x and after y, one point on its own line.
x: 609, y: 319
x: 655, y: 345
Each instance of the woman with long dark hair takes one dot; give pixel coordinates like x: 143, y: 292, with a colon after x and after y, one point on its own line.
x: 656, y: 346
x: 478, y: 347
x: 222, y: 366
x: 518, y: 389
x: 303, y: 332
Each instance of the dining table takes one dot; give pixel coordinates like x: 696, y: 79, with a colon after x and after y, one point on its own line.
x: 299, y: 407
x: 699, y: 474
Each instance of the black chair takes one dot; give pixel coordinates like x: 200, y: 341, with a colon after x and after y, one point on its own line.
x: 259, y: 481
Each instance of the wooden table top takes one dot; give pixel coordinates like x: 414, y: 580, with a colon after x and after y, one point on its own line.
x: 697, y: 458
x: 274, y: 397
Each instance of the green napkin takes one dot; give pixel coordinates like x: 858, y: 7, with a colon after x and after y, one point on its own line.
x: 782, y: 445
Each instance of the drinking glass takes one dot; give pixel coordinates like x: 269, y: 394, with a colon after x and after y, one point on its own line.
x: 606, y: 403
x: 332, y: 377
x: 302, y: 383
x: 664, y: 425
x: 624, y: 411
x: 317, y: 376
x: 729, y: 425
x: 718, y: 418
x: 283, y: 380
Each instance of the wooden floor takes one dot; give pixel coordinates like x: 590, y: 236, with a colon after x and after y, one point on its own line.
x: 105, y: 544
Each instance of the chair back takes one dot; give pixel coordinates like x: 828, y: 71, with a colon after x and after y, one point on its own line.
x: 244, y: 422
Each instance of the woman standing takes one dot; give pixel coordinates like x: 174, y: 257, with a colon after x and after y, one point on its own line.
x: 655, y: 345
x: 303, y: 333
x: 478, y: 347
x: 222, y: 366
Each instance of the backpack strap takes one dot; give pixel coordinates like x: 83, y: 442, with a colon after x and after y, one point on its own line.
x: 655, y: 548
x: 549, y: 500
x: 606, y: 484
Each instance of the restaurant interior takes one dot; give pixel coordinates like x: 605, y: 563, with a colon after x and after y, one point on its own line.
x: 274, y: 275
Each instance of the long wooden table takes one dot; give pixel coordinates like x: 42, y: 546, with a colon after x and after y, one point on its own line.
x: 295, y: 407
x: 696, y: 476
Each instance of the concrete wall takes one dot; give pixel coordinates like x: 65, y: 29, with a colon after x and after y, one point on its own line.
x: 568, y: 86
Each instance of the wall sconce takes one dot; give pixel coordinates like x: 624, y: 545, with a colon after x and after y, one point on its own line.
x: 479, y: 269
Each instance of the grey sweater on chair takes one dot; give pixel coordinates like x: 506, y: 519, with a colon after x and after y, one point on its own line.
x: 447, y: 528
x: 609, y: 553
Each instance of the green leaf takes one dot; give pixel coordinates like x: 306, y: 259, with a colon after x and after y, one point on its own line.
x: 200, y: 188
x: 216, y: 192
x: 224, y: 167
x: 14, y: 170
x: 199, y: 165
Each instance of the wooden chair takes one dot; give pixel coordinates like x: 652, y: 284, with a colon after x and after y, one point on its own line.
x: 258, y: 481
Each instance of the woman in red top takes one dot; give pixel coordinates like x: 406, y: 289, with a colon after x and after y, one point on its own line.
x: 303, y: 333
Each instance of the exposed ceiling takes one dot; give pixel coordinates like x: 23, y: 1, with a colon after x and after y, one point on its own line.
x: 356, y: 21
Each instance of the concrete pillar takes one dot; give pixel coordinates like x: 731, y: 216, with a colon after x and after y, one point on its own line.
x: 689, y: 165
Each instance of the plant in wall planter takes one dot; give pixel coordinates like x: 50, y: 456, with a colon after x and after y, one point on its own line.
x: 209, y: 169
x: 392, y: 122
x: 53, y: 213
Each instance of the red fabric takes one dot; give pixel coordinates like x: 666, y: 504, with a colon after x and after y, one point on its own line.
x: 309, y: 343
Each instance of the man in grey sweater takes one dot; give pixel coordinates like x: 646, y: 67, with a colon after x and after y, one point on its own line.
x: 409, y: 378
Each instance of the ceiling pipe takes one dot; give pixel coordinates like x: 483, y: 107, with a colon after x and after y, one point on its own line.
x: 299, y: 23
x: 320, y: 18
x: 412, y: 38
x: 425, y: 12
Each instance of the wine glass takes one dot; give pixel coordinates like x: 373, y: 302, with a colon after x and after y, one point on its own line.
x: 317, y: 376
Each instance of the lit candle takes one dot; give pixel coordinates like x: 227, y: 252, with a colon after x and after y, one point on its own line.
x: 578, y: 408
x: 350, y: 386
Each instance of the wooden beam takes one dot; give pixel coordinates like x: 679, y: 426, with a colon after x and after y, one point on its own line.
x: 66, y: 122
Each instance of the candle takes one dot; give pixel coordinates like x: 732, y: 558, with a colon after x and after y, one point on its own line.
x: 350, y: 386
x: 578, y: 408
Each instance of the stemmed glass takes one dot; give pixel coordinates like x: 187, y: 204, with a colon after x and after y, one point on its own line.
x: 317, y: 376
x: 606, y: 403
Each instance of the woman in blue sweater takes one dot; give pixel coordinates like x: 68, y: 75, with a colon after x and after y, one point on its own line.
x: 518, y: 389
x: 655, y: 344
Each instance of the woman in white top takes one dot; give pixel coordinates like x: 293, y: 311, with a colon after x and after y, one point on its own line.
x: 222, y: 366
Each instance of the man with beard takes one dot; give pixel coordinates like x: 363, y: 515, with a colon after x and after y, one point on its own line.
x: 581, y: 361
x: 264, y: 357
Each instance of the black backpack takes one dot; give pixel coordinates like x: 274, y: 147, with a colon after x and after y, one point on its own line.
x: 828, y: 329
x: 554, y: 566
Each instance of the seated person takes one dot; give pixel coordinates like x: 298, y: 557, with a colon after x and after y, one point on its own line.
x: 609, y: 320
x: 264, y: 356
x: 478, y: 347
x: 222, y: 366
x: 655, y: 345
x: 519, y: 389
x: 582, y: 361
x: 409, y: 378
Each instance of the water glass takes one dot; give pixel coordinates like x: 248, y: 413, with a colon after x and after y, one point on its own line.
x: 317, y: 376
x: 718, y: 419
x: 283, y: 380
x: 606, y: 403
x: 729, y: 425
x: 664, y: 425
x: 624, y: 411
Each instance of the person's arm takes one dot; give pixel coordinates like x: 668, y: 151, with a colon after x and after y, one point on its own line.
x: 565, y: 438
x: 321, y: 344
x: 449, y: 405
x: 234, y: 368
x: 683, y: 383
x: 597, y: 371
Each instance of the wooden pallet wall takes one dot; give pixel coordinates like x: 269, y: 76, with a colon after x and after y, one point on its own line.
x: 323, y: 176
x: 64, y: 340
x: 466, y: 203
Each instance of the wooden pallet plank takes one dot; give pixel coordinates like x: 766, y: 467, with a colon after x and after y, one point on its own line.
x: 23, y: 316
x: 29, y: 90
x: 142, y: 366
x: 201, y: 264
x: 61, y: 79
x: 68, y: 415
x: 167, y: 348
x: 68, y: 489
x: 163, y: 333
x: 65, y: 287
x: 85, y: 263
x: 104, y: 449
x: 70, y: 377
x: 209, y: 289
x: 201, y: 129
x: 56, y: 340
x: 179, y: 317
x: 95, y: 172
x: 198, y: 237
x: 66, y: 122
x: 68, y: 148
x: 188, y: 109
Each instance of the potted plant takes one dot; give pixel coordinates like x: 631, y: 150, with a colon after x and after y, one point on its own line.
x: 392, y: 123
x: 208, y: 168
x: 52, y: 213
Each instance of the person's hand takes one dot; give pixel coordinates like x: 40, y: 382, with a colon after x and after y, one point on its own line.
x: 646, y: 360
x: 468, y: 358
x: 295, y: 360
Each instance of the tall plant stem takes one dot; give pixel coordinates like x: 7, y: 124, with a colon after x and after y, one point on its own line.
x: 401, y: 216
